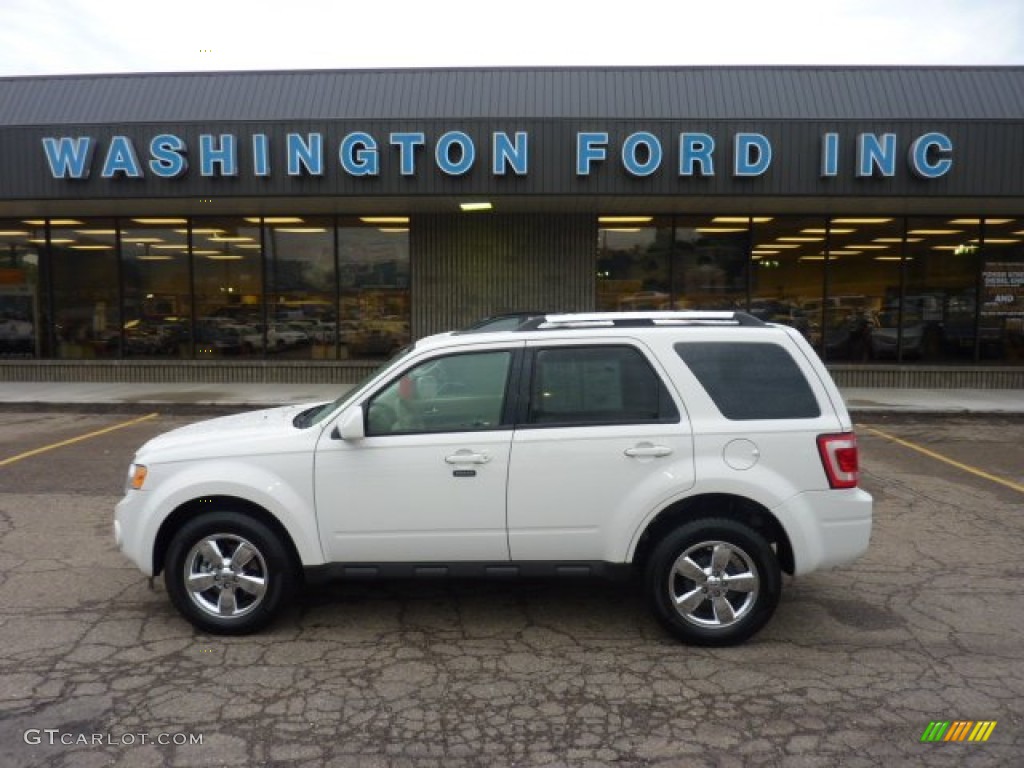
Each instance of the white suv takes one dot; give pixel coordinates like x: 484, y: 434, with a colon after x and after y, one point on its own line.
x: 706, y: 452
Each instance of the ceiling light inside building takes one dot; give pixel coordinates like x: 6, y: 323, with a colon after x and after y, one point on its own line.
x: 478, y: 206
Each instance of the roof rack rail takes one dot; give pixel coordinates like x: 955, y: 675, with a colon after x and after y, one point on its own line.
x: 641, y: 320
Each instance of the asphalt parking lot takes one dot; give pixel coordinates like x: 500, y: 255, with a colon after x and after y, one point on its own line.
x: 98, y: 670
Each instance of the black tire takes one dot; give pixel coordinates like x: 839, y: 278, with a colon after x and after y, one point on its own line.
x: 730, y: 574
x: 255, y: 577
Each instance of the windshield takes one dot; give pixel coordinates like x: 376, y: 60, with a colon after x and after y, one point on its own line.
x: 317, y: 414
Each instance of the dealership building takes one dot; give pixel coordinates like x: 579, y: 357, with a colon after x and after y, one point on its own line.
x: 303, y: 225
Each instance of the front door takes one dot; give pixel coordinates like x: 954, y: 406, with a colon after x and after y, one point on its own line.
x: 428, y: 481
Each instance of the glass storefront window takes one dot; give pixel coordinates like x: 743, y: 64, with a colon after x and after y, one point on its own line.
x: 374, y: 305
x: 157, y: 289
x: 86, y: 279
x: 862, y: 281
x: 787, y: 272
x: 301, y: 287
x: 710, y: 263
x: 19, y: 296
x: 1001, y: 291
x: 936, y: 315
x: 633, y: 263
x: 228, y: 269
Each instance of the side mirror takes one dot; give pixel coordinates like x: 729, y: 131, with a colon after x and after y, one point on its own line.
x: 350, y: 426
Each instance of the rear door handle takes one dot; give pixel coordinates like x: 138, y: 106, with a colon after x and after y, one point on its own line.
x: 647, y: 451
x: 467, y: 457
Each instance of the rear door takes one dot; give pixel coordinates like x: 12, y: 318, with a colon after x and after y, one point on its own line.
x: 600, y: 441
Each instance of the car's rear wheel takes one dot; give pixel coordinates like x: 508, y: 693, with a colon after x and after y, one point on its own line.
x: 713, y: 582
x: 228, y: 573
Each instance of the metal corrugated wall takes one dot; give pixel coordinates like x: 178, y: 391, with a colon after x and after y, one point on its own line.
x: 470, y: 266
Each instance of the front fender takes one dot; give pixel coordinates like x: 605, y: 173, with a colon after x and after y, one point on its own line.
x: 255, y: 482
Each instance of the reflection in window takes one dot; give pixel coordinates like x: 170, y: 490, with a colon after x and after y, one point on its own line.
x: 633, y: 263
x: 710, y: 262
x: 228, y: 288
x: 301, y: 282
x: 157, y: 291
x: 374, y: 304
x: 1001, y: 315
x: 935, y: 317
x: 787, y: 272
x: 863, y: 269
x: 85, y: 275
x: 19, y: 299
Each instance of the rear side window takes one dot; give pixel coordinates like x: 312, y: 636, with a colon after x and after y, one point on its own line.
x: 597, y: 385
x: 750, y: 380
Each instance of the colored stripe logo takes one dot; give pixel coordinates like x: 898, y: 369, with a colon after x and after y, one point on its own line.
x: 958, y: 730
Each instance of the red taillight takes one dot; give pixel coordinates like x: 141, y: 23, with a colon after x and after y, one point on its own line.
x: 840, y: 458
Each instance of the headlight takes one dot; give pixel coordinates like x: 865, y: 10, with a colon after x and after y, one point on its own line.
x: 137, y: 476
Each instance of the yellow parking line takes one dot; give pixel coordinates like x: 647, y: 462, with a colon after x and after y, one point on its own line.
x: 78, y: 439
x: 939, y: 457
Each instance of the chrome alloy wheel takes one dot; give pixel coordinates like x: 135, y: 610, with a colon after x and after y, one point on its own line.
x: 713, y: 584
x: 225, y: 576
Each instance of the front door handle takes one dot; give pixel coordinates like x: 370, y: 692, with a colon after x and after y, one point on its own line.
x: 467, y: 457
x: 647, y: 451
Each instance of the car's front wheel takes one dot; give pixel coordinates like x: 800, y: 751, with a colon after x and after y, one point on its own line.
x: 228, y: 573
x: 713, y: 582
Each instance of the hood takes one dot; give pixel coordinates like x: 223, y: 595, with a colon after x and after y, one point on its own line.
x: 240, y: 434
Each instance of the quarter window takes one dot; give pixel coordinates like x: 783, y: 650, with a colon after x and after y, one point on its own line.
x: 597, y: 385
x: 750, y: 380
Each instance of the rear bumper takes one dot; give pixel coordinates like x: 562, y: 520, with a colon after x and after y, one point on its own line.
x: 827, y: 528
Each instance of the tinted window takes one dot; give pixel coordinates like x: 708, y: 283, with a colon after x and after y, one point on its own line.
x: 750, y: 381
x: 457, y: 393
x: 596, y: 385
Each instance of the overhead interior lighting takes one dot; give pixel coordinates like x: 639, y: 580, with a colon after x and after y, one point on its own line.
x: 171, y: 247
x: 624, y: 219
x: 142, y: 240
x: 298, y: 230
x: 276, y: 220
x: 392, y: 230
x: 109, y: 232
x: 843, y: 253
x: 96, y: 247
x: 812, y: 258
x: 230, y: 239
x: 741, y: 219
x: 1000, y: 240
x: 622, y: 229
x: 219, y: 256
x: 819, y: 231
x: 861, y: 220
x: 889, y: 258
x: 54, y: 241
x: 205, y: 252
x: 897, y: 240
x: 207, y: 231
x: 777, y: 245
x: 479, y: 206
x: 53, y: 222
x: 762, y: 252
x: 719, y: 230
x: 867, y: 246
x: 153, y: 257
x: 975, y: 222
x: 801, y: 239
x: 13, y: 233
x: 160, y: 221
x: 935, y: 232
x: 384, y: 219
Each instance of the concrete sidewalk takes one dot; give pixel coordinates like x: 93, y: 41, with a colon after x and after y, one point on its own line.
x: 171, y: 396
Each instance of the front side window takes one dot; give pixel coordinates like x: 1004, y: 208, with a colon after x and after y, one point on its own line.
x: 750, y: 380
x: 457, y: 393
x: 596, y: 385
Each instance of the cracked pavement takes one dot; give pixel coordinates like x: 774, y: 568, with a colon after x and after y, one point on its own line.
x: 853, y: 667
